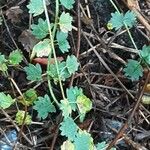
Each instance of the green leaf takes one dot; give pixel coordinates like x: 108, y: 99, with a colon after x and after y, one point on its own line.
x: 65, y: 107
x: 62, y: 41
x: 103, y: 146
x: 84, y: 105
x: 28, y: 97
x: 133, y: 70
x: 5, y: 100
x: 20, y: 118
x: 129, y: 19
x: 36, y: 7
x: 3, y: 66
x: 67, y: 145
x: 64, y: 74
x: 72, y: 64
x: 145, y: 54
x: 83, y: 141
x: 116, y: 20
x: 67, y: 3
x: 65, y: 22
x: 15, y: 57
x: 68, y: 128
x: 44, y: 106
x: 42, y: 48
x: 34, y: 73
x: 72, y: 94
x: 40, y: 30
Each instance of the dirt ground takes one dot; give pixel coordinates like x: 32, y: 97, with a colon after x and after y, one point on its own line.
x: 103, y: 55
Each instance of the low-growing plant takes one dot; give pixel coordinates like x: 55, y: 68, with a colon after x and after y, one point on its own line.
x: 53, y: 37
x: 134, y: 68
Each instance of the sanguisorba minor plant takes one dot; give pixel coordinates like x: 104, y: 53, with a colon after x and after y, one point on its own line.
x: 134, y: 68
x: 53, y: 34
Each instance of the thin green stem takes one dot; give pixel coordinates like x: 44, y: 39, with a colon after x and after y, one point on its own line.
x: 115, y: 6
x: 56, y: 18
x: 52, y: 45
x: 129, y: 33
x: 131, y: 38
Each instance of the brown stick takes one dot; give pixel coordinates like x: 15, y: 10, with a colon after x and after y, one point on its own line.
x: 131, y: 5
x: 125, y: 126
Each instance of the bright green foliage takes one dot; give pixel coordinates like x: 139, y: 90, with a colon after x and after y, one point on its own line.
x: 68, y: 128
x: 83, y: 141
x: 64, y: 74
x: 67, y: 145
x: 145, y: 54
x: 34, y: 73
x: 62, y: 41
x: 72, y: 64
x: 118, y: 20
x: 72, y: 94
x: 5, y: 100
x: 66, y: 108
x: 42, y: 48
x: 133, y: 70
x: 20, y: 118
x: 84, y: 105
x: 36, y: 7
x: 67, y: 3
x: 129, y: 19
x: 40, y: 30
x: 103, y: 146
x: 15, y: 57
x: 3, y: 66
x: 65, y: 22
x: 29, y: 97
x: 44, y: 106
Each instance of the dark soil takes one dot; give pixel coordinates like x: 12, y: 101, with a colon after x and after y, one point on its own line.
x: 111, y: 104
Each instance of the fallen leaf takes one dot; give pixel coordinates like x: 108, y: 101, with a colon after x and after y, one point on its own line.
x: 14, y: 14
x: 27, y: 40
x: 44, y: 61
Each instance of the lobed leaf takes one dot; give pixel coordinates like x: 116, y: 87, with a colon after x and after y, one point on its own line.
x: 133, y: 70
x: 65, y: 107
x: 36, y: 7
x: 15, y: 57
x: 20, y: 118
x: 34, y: 72
x: 44, y: 106
x: 42, y: 48
x: 5, y: 100
x: 68, y: 128
x: 72, y: 94
x: 72, y: 64
x: 40, y: 30
x: 83, y: 141
x: 62, y: 41
x: 65, y: 22
x: 3, y: 66
x: 145, y: 54
x: 67, y: 3
x: 119, y: 20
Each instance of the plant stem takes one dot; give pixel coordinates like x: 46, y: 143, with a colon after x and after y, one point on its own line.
x: 52, y: 44
x: 129, y: 33
x: 56, y: 18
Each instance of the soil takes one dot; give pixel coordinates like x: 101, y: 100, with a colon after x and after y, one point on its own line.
x: 111, y: 104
